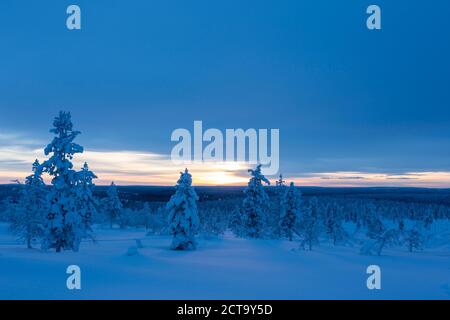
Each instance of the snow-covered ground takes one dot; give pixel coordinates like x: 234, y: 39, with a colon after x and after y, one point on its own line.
x: 221, y: 268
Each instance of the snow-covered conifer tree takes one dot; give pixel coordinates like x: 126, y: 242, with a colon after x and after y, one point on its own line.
x: 427, y: 217
x: 64, y: 225
x: 27, y: 220
x: 147, y: 215
x: 212, y: 222
x: 158, y: 223
x: 375, y: 226
x: 255, y: 204
x: 386, y: 238
x: 310, y: 223
x: 333, y: 225
x: 280, y: 193
x: 113, y: 206
x: 235, y: 223
x: 183, y: 214
x: 290, y: 212
x: 397, y: 216
x: 414, y: 238
x: 86, y: 202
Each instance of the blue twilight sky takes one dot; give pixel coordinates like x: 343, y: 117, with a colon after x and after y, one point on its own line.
x: 354, y: 107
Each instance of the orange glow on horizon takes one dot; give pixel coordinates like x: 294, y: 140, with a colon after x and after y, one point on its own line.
x: 215, y: 176
x: 146, y: 168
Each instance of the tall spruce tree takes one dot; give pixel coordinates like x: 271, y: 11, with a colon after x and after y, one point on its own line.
x: 183, y: 214
x: 290, y: 212
x: 255, y: 204
x: 87, y: 203
x: 64, y: 227
x: 280, y: 193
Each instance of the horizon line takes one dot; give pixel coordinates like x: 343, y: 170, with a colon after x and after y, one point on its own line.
x: 269, y: 186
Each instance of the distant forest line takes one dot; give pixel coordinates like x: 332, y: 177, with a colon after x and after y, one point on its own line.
x: 213, y: 193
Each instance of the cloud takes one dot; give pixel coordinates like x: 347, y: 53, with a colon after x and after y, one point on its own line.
x: 368, y: 179
x: 128, y: 167
x: 342, y: 178
x: 11, y: 139
x: 17, y: 153
x: 132, y: 167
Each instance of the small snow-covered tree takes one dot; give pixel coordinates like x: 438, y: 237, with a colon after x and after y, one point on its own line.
x: 211, y: 222
x: 281, y: 183
x: 375, y: 225
x: 147, y: 213
x: 112, y: 205
x: 127, y: 217
x: 414, y: 238
x: 86, y: 201
x: 157, y: 223
x: 183, y: 214
x: 290, y: 212
x: 255, y: 204
x: 427, y: 217
x: 27, y: 220
x: 309, y: 224
x: 64, y: 227
x: 333, y: 225
x: 235, y: 223
x: 155, y: 219
x: 397, y: 217
x: 386, y: 238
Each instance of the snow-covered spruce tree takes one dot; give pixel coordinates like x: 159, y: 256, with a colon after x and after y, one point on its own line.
x: 290, y: 212
x: 380, y: 236
x: 337, y: 232
x: 235, y: 223
x: 310, y: 224
x: 397, y: 217
x: 127, y: 217
x: 112, y: 205
x: 87, y: 203
x: 280, y: 193
x: 27, y: 220
x: 333, y: 225
x: 183, y: 214
x: 375, y: 225
x: 155, y: 220
x: 147, y: 214
x: 414, y: 238
x: 427, y: 217
x: 159, y: 222
x: 64, y: 227
x: 386, y: 238
x: 255, y: 204
x: 212, y: 223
